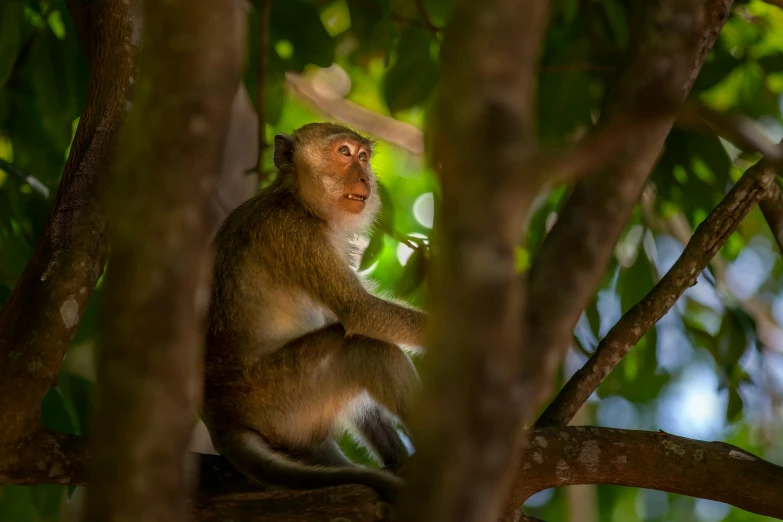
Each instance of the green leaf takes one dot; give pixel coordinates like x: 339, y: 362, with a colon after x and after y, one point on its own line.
x: 355, y: 451
x: 439, y: 9
x: 617, y: 19
x: 300, y: 24
x: 373, y: 250
x: 593, y: 318
x: 16, y: 504
x: 387, y: 207
x: 734, y: 406
x: 569, y: 10
x: 567, y: 94
x: 693, y: 173
x: 718, y: 65
x: 274, y: 86
x: 47, y: 499
x: 372, y: 25
x: 413, y: 273
x: 772, y: 63
x: 636, y: 281
x: 413, y: 77
x: 732, y: 341
x: 78, y: 393
x: 11, y: 20
x: 55, y: 414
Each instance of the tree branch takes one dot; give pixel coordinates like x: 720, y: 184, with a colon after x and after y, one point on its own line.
x: 39, y: 319
x: 150, y: 373
x: 739, y: 130
x: 601, y: 149
x: 772, y: 208
x: 565, y: 456
x: 393, y: 131
x: 674, y: 39
x: 707, y: 240
x: 554, y: 457
x: 48, y: 457
x: 678, y: 227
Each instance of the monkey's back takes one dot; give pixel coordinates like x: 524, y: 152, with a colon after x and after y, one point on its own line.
x: 255, y: 304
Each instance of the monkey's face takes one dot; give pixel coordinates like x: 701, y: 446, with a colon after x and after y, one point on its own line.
x: 330, y: 165
x: 351, y: 172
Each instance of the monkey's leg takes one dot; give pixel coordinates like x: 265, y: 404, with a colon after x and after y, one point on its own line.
x: 379, y: 430
x: 382, y: 369
x: 294, y: 396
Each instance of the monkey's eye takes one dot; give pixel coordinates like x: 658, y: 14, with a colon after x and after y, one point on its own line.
x: 344, y: 151
x: 363, y: 156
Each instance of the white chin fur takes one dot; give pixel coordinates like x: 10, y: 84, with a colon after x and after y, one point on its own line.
x: 357, y: 223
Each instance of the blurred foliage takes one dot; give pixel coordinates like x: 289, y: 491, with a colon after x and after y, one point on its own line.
x: 703, y: 367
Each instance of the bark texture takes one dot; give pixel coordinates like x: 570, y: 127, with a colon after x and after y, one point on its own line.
x: 47, y: 457
x: 39, y: 319
x: 559, y: 456
x: 337, y: 504
x: 466, y: 425
x: 157, y: 284
x: 674, y: 38
x: 554, y: 457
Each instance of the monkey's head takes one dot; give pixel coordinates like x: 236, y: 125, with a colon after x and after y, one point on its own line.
x: 328, y: 167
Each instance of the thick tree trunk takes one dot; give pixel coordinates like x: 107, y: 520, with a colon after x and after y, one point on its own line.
x: 466, y: 426
x: 157, y: 283
x: 39, y: 319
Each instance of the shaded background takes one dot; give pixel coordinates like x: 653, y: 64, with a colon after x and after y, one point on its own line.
x: 711, y: 369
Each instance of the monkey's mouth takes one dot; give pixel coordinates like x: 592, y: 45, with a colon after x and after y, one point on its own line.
x: 355, y: 197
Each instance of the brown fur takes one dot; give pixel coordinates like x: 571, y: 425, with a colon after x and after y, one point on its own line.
x: 295, y: 342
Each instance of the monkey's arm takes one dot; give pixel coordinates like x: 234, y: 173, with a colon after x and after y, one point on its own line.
x: 332, y: 282
x: 385, y: 320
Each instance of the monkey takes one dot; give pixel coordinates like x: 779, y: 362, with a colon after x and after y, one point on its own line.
x: 297, y: 346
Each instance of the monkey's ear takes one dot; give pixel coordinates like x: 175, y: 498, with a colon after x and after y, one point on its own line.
x: 284, y: 152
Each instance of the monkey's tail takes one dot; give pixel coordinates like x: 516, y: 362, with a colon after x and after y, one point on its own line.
x: 250, y: 454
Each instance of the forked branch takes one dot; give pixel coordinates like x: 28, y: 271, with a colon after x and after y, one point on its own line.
x: 707, y: 240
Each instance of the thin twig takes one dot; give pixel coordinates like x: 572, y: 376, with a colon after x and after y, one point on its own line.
x: 709, y: 237
x: 400, y: 238
x: 34, y: 182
